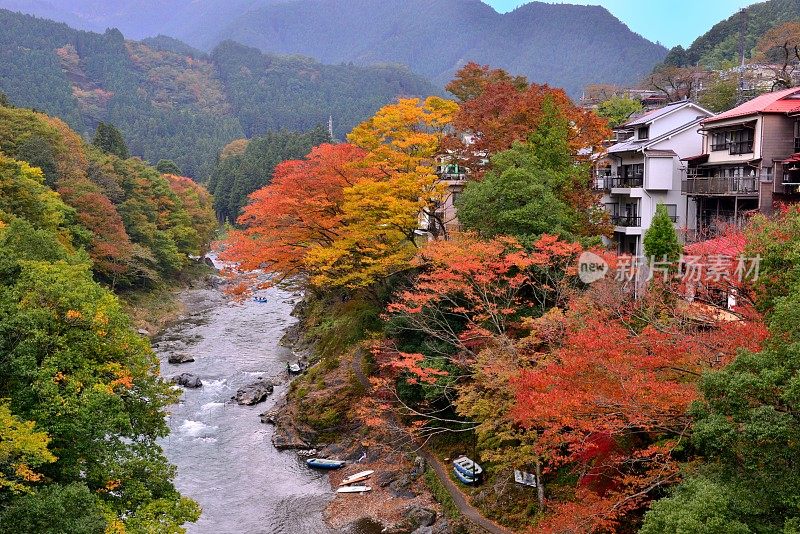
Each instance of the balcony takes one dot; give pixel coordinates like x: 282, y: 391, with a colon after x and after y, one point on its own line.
x: 452, y: 176
x: 602, y: 182
x: 636, y: 180
x: 719, y: 185
x: 626, y: 220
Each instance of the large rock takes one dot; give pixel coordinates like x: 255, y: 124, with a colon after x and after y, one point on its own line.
x: 179, y: 357
x: 187, y: 380
x: 417, y: 516
x: 254, y: 393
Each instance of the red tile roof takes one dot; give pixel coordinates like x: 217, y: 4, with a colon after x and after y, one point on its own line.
x: 767, y: 103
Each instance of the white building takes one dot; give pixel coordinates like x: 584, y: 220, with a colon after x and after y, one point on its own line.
x: 644, y: 169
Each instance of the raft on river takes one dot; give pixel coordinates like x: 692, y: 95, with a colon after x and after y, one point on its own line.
x: 261, y: 299
x: 324, y: 463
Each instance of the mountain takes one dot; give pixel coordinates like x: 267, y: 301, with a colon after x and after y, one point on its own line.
x: 721, y: 43
x: 564, y: 45
x: 174, y: 102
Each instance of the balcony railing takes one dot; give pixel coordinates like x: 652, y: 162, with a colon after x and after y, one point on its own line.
x: 602, y: 182
x: 453, y: 176
x: 637, y: 180
x: 719, y: 185
x: 626, y: 220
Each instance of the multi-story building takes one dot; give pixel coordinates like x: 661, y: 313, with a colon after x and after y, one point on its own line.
x: 750, y: 160
x: 644, y: 169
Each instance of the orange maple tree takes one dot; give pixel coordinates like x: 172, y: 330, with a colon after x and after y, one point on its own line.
x: 298, y: 210
x: 471, y: 290
x: 500, y: 109
x: 608, y: 394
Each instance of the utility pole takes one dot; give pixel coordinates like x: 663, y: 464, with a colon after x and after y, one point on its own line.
x: 742, y: 34
x: 330, y: 127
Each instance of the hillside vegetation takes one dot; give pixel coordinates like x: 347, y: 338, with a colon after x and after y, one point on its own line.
x: 82, y: 404
x: 172, y: 102
x: 563, y: 45
x: 720, y: 44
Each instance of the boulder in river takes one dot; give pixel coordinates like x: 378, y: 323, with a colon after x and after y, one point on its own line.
x: 187, y: 380
x: 254, y: 393
x: 179, y: 357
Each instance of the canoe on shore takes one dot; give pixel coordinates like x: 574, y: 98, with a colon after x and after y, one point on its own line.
x: 356, y: 477
x: 465, y: 479
x: 324, y: 463
x: 354, y: 489
x: 467, y: 467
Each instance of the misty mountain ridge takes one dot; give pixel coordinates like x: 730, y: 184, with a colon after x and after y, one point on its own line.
x: 564, y: 45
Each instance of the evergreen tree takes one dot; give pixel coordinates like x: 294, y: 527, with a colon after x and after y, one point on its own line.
x: 109, y: 139
x: 661, y: 240
x: 526, y: 193
x: 4, y: 103
x: 167, y: 166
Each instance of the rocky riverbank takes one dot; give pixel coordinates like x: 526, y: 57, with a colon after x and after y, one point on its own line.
x: 317, y: 417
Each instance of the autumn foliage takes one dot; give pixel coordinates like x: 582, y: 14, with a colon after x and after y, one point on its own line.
x: 609, y: 395
x: 501, y: 109
x: 299, y: 210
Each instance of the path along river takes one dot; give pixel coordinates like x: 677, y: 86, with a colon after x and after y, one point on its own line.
x: 224, y: 454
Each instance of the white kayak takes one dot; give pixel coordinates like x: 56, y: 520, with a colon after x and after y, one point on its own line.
x: 356, y: 477
x: 353, y: 489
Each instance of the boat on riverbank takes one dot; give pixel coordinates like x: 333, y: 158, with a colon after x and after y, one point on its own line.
x: 356, y: 477
x: 324, y: 463
x: 354, y: 489
x: 467, y: 471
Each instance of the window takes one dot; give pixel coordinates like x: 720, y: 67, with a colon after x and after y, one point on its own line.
x: 797, y: 136
x: 742, y: 141
x: 644, y: 132
x: 719, y: 141
x: 672, y: 211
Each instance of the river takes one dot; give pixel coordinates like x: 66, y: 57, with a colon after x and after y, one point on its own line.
x: 223, y: 453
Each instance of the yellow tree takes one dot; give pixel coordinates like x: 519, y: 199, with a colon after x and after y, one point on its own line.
x: 381, y: 212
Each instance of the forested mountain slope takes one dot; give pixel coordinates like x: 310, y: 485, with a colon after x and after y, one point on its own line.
x: 173, y: 102
x: 564, y: 45
x: 721, y: 43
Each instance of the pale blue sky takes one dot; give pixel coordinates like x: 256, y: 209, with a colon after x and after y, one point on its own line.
x: 671, y: 22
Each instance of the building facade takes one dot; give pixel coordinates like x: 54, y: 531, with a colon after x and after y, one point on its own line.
x: 644, y: 168
x: 750, y: 162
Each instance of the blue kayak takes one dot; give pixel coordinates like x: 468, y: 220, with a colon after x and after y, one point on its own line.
x: 260, y: 299
x: 324, y: 463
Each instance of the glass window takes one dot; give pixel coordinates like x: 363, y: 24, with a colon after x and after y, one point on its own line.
x: 644, y: 132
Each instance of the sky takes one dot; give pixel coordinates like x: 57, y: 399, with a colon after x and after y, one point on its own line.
x: 670, y: 22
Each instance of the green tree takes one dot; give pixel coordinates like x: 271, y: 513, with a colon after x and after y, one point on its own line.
x: 109, y: 139
x: 719, y: 94
x: 698, y: 506
x: 618, y: 109
x: 661, y: 240
x: 167, y: 166
x: 4, y: 102
x: 56, y: 509
x: 529, y: 189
